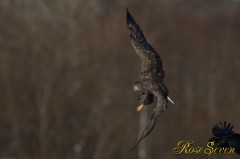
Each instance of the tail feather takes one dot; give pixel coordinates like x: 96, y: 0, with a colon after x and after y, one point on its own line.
x: 170, y: 99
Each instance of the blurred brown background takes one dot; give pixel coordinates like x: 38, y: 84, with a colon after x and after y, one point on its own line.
x: 67, y: 69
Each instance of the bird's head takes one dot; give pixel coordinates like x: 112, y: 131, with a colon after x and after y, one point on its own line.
x: 137, y: 87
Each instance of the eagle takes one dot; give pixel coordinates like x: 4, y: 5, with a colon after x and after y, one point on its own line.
x: 224, y: 136
x: 150, y: 84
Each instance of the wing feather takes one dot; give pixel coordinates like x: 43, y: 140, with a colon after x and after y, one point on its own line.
x: 150, y: 58
x: 159, y: 109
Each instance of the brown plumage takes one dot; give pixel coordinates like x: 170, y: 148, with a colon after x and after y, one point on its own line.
x: 150, y: 80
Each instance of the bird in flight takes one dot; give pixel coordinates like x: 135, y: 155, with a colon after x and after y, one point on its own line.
x: 150, y: 83
x: 224, y: 136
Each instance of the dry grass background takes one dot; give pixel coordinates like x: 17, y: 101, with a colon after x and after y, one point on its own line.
x: 67, y: 69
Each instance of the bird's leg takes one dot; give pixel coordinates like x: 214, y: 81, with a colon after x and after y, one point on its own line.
x: 143, y: 98
x: 139, y: 108
x: 137, y: 87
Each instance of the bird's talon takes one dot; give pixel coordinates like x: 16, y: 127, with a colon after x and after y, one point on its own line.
x: 139, y: 108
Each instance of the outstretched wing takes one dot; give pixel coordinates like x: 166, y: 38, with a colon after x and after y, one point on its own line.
x: 150, y: 58
x: 159, y: 109
x: 222, y: 129
x: 225, y: 137
x: 221, y: 132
